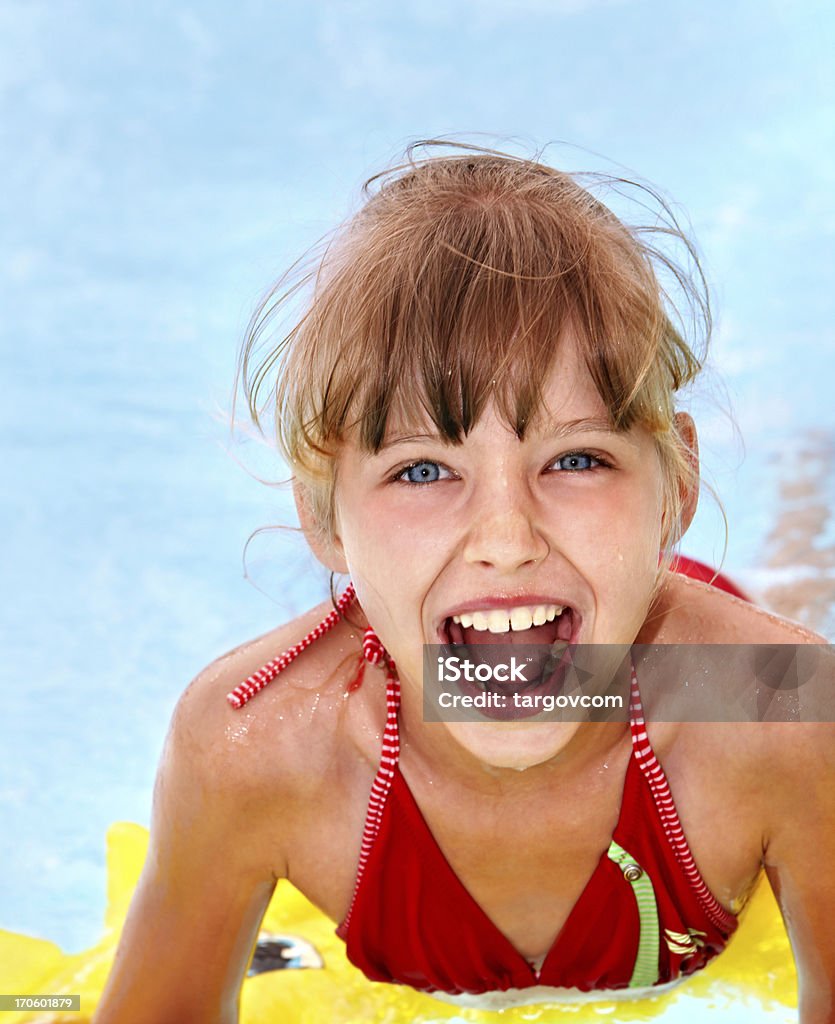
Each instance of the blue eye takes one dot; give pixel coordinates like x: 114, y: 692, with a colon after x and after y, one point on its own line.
x: 423, y: 472
x: 575, y: 461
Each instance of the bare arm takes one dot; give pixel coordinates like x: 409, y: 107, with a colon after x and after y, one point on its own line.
x: 800, y: 860
x: 204, y: 888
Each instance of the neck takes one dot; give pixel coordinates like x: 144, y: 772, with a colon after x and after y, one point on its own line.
x: 660, y: 623
x: 542, y: 753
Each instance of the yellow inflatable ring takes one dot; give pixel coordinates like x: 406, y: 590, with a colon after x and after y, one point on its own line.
x: 755, y: 971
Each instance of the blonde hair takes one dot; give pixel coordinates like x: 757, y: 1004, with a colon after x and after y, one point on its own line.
x: 452, y: 286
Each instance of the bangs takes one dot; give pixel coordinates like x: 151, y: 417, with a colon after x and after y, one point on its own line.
x: 455, y: 287
x: 477, y: 322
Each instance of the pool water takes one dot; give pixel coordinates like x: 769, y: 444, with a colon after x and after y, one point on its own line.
x: 167, y: 163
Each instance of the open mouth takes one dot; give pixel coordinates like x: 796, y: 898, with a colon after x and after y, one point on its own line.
x: 541, y: 636
x: 542, y: 624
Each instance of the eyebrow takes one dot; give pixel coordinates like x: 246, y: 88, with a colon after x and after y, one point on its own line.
x: 551, y: 428
x: 554, y: 428
x: 392, y: 442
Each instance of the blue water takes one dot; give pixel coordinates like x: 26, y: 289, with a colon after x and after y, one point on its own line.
x: 162, y: 163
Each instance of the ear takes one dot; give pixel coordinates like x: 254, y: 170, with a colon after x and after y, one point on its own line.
x: 689, y: 491
x: 328, y: 552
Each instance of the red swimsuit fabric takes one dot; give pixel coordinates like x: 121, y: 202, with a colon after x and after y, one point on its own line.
x: 412, y: 921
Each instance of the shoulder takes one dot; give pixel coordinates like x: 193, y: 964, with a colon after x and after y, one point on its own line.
x: 689, y: 611
x: 770, y: 667
x: 234, y: 797
x: 289, y: 736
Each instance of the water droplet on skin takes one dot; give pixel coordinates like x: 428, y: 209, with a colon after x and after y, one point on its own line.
x: 236, y: 733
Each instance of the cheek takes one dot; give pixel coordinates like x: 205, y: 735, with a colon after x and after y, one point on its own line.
x: 636, y: 548
x: 391, y: 552
x: 391, y: 564
x: 627, y: 519
x: 618, y: 546
x: 383, y: 532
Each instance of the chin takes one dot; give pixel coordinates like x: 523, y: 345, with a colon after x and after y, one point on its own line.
x: 514, y: 745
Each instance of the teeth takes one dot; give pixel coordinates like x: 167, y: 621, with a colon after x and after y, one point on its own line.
x: 500, y: 620
x: 520, y: 618
x: 480, y: 621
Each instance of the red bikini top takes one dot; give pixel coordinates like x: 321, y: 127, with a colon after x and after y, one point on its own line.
x: 645, y: 917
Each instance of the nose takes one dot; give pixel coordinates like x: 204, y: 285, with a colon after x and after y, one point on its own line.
x: 504, y: 536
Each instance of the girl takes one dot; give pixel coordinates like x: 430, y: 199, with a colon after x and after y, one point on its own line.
x: 478, y: 408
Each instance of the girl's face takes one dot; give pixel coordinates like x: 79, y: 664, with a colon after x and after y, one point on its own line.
x: 570, y: 516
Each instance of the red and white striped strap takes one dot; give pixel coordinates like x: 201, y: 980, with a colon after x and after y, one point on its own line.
x: 246, y: 690
x: 663, y: 797
x: 389, y: 757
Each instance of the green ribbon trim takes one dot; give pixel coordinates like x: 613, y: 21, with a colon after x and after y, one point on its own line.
x: 645, y: 971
